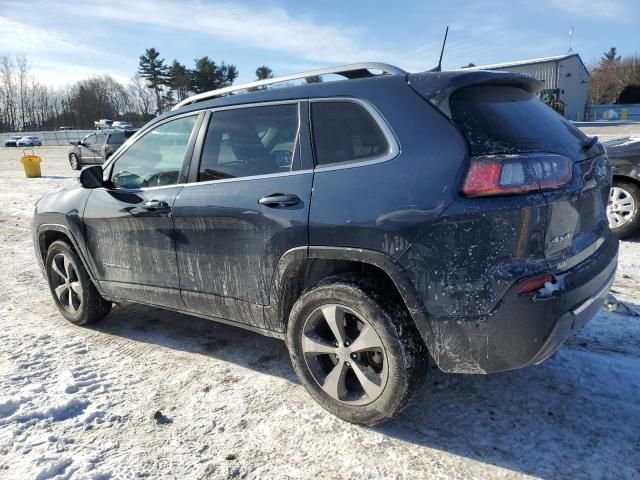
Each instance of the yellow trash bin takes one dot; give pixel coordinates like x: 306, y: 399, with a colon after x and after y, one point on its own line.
x: 31, y: 164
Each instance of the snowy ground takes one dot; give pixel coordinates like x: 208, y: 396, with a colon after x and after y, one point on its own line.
x: 80, y: 402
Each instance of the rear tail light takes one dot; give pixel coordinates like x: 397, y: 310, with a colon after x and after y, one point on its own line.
x: 513, y: 174
x: 535, y: 284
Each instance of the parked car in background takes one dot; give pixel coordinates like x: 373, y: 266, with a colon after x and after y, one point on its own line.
x: 623, y: 210
x: 12, y: 141
x: 122, y: 125
x: 373, y: 223
x: 29, y: 141
x: 97, y: 147
x: 103, y: 123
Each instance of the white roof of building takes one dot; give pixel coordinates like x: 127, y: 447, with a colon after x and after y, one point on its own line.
x: 525, y: 62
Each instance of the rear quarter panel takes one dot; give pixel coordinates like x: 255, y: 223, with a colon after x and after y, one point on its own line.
x: 384, y: 206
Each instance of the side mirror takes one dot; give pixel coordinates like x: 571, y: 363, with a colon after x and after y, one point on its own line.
x: 91, y: 177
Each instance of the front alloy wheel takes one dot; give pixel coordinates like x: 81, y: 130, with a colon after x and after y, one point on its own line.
x: 66, y: 283
x: 73, y: 161
x: 73, y: 292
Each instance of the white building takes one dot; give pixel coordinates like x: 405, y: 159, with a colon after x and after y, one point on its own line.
x: 567, y: 73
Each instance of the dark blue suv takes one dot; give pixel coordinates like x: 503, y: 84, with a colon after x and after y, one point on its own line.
x: 372, y: 223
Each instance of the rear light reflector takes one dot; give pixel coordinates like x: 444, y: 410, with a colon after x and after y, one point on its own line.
x: 535, y: 284
x: 513, y: 174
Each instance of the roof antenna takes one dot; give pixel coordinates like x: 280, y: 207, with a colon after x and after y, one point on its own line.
x: 570, y: 40
x: 439, y: 67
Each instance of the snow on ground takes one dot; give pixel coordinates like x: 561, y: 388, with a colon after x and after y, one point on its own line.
x: 611, y: 132
x: 150, y: 393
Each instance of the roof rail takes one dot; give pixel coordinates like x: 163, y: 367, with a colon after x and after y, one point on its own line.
x: 354, y: 70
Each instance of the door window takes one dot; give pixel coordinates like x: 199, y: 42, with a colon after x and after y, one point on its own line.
x: 344, y: 132
x: 156, y: 158
x: 251, y: 141
x: 89, y: 140
x: 100, y: 138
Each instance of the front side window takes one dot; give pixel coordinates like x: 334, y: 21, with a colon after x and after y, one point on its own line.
x: 89, y: 140
x: 250, y: 141
x: 156, y: 158
x: 345, y: 132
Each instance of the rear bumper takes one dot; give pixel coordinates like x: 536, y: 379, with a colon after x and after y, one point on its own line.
x: 524, y: 330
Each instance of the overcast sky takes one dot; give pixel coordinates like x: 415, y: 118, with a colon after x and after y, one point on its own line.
x: 68, y: 40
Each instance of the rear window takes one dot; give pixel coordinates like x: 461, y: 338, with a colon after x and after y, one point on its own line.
x: 503, y: 120
x: 345, y: 132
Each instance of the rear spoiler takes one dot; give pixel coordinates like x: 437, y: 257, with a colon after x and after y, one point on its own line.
x: 437, y: 87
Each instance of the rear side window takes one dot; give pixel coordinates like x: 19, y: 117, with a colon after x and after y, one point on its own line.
x: 251, y: 141
x: 116, y: 138
x: 345, y: 132
x: 504, y: 120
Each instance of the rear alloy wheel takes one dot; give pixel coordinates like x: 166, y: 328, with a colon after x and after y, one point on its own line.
x: 353, y: 373
x: 356, y: 351
x: 73, y: 161
x: 73, y: 292
x: 623, y: 208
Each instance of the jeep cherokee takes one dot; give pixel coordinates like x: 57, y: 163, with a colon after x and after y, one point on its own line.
x: 373, y: 223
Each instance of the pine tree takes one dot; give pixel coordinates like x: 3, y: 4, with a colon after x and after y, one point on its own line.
x: 208, y: 76
x: 610, y: 56
x: 179, y: 80
x: 154, y: 71
x: 263, y: 72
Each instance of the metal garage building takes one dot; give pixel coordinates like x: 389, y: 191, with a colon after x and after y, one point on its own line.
x: 566, y: 73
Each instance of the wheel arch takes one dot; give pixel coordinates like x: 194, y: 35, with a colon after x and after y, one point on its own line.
x: 627, y: 178
x: 49, y: 233
x: 302, y: 267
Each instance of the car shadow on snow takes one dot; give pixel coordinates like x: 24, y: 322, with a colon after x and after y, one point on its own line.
x: 149, y: 325
x: 632, y: 239
x: 577, y: 413
x: 574, y: 413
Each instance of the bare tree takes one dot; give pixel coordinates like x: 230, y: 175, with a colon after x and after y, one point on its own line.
x: 142, y: 99
x: 611, y: 75
x: 22, y: 74
x: 8, y: 91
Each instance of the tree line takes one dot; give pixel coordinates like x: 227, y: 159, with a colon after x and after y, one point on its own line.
x: 615, y: 79
x: 172, y: 83
x: 28, y: 105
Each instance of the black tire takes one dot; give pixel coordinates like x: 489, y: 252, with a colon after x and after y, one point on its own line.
x: 74, y: 162
x: 632, y: 224
x: 402, y: 349
x: 80, y: 302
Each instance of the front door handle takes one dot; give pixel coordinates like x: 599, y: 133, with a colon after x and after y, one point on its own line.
x: 279, y: 200
x: 156, y: 205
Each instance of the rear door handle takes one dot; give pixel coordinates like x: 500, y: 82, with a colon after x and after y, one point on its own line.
x: 279, y: 200
x: 156, y: 205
